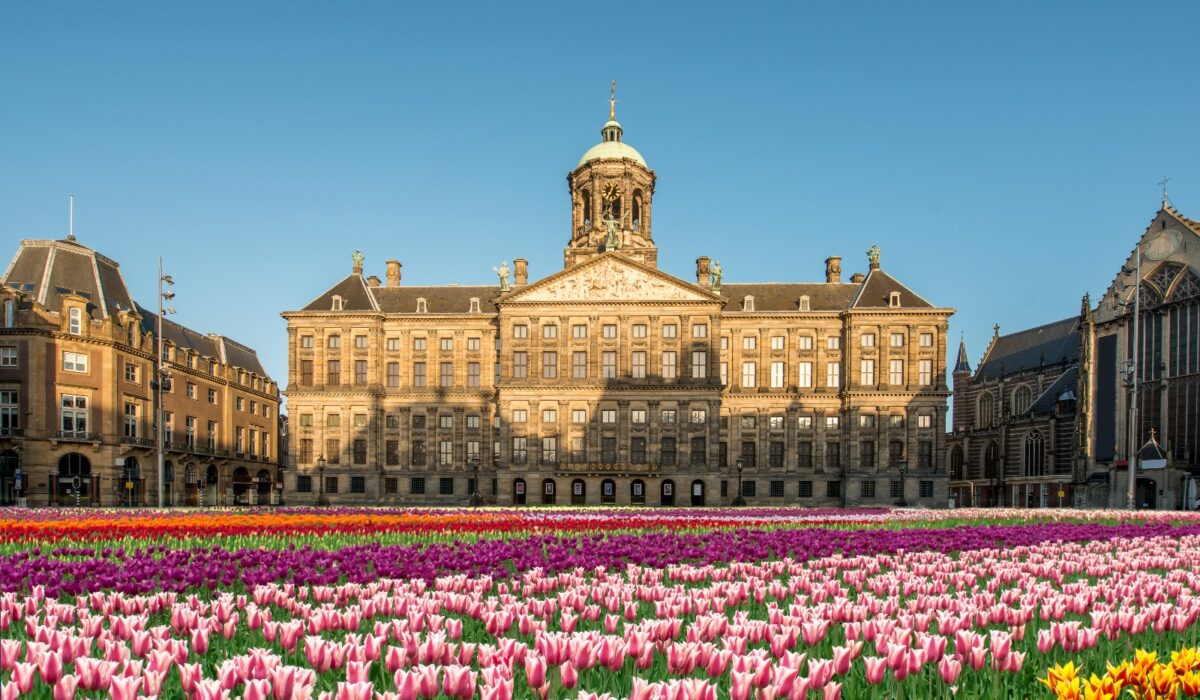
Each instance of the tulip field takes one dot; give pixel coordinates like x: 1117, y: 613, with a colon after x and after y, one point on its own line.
x: 651, y: 604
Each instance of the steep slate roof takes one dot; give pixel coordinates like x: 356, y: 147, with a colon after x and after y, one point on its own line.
x: 781, y: 296
x: 879, y: 285
x: 1049, y: 399
x: 218, y: 347
x: 354, y: 293
x: 1051, y: 344
x: 443, y: 299
x: 964, y: 363
x: 49, y: 270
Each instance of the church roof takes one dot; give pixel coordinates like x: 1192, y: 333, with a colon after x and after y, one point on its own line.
x: 1051, y: 344
x: 1047, y: 402
x: 964, y: 363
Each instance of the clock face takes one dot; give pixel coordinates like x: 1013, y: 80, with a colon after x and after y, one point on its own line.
x: 612, y: 191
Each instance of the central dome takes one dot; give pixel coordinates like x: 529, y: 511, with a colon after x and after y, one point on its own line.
x: 611, y: 147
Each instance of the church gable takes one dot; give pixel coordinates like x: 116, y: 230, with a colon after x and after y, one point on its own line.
x: 610, y: 278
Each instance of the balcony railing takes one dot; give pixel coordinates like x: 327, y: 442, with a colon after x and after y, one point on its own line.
x: 12, y: 432
x: 137, y: 441
x: 77, y: 436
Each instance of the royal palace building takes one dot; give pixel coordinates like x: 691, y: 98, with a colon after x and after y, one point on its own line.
x: 611, y: 381
x: 77, y: 394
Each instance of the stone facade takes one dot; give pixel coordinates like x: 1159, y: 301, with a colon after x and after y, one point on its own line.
x: 611, y: 381
x: 77, y: 394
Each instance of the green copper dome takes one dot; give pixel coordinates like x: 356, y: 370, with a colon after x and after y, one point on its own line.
x: 612, y: 150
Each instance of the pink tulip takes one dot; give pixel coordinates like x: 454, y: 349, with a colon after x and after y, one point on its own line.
x: 200, y: 641
x: 125, y: 687
x: 50, y: 667
x: 10, y: 651
x: 568, y: 675
x: 354, y: 691
x: 358, y: 671
x: 502, y: 690
x: 406, y: 684
x: 535, y: 670
x: 22, y: 676
x: 876, y: 668
x: 832, y: 691
x: 948, y: 669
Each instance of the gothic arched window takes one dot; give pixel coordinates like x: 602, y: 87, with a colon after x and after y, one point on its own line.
x: 1022, y: 397
x: 991, y: 459
x: 1035, y: 455
x: 987, y: 408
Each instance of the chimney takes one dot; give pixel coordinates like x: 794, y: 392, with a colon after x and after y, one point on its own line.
x: 833, y: 270
x: 373, y: 281
x: 520, y: 272
x: 393, y: 273
x: 857, y: 278
x: 702, y: 278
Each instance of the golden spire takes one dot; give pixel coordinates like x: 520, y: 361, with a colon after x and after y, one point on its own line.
x: 612, y: 101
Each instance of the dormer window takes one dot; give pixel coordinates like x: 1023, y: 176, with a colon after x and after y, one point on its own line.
x: 474, y: 305
x: 75, y: 321
x: 422, y: 306
x: 894, y: 300
x: 747, y: 303
x: 805, y: 304
x: 337, y: 303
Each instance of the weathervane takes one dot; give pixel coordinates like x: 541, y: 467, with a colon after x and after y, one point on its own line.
x: 612, y: 101
x: 1164, y: 182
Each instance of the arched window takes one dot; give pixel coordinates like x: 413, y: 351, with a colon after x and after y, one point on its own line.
x: 991, y: 459
x: 637, y: 210
x: 987, y: 408
x: 1035, y: 455
x: 1022, y: 397
x: 75, y: 321
x: 585, y: 209
x: 956, y: 463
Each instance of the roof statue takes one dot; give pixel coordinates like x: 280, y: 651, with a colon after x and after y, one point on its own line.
x: 357, y: 257
x: 716, y: 271
x: 612, y: 102
x: 610, y: 239
x: 502, y: 272
x: 873, y: 257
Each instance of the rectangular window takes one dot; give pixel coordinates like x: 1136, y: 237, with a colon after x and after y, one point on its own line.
x: 699, y: 364
x: 447, y: 374
x: 832, y: 422
x: 446, y: 344
x: 895, y: 453
x: 608, y: 450
x: 804, y: 422
x: 212, y: 396
x: 393, y: 344
x: 550, y: 450
x: 360, y: 372
x: 473, y: 422
x: 895, y: 421
x: 608, y: 330
x: 866, y: 489
x: 360, y: 451
x: 74, y: 413
x: 358, y: 484
x: 699, y: 416
x: 333, y: 374
x: 306, y: 341
x: 334, y: 341
x: 549, y: 330
x: 639, y: 364
x: 306, y: 372
x: 777, y: 342
x: 804, y: 342
x: 749, y: 457
x: 519, y: 415
x: 749, y: 488
x: 472, y: 451
x: 75, y: 361
x: 668, y: 417
x: 777, y: 375
x: 520, y: 331
x: 577, y: 454
x: 303, y: 483
x: 724, y: 369
x: 833, y: 455
x: 131, y: 370
x: 833, y: 489
x: 805, y: 490
x: 520, y: 450
x: 550, y: 363
x: 333, y: 450
x: 189, y: 434
x: 7, y: 421
x: 212, y: 436
x: 240, y: 404
x: 667, y: 454
x: 777, y: 454
x: 578, y: 415
x: 608, y: 415
x: 393, y: 374
x: 608, y: 365
x: 925, y: 454
x: 670, y: 330
x: 446, y: 421
x: 866, y: 420
x: 391, y: 486
x: 926, y: 340
x: 445, y: 453
x: 638, y: 330
x: 722, y: 454
x: 866, y: 372
x: 637, y: 450
x: 805, y: 379
x: 750, y: 342
x: 306, y: 447
x: 833, y: 375
x: 446, y: 486
x: 700, y: 330
x: 418, y: 420
x: 833, y: 342
x: 392, y: 421
x: 699, y: 451
x: 866, y: 453
x: 896, y: 372
x: 579, y: 330
x: 897, y: 340
x: 418, y: 453
x: 748, y: 375
x: 472, y: 344
x: 579, y: 364
x: 418, y: 374
x: 924, y: 421
x: 925, y: 488
x: 549, y: 415
x: 472, y: 374
x: 360, y: 342
x: 749, y: 421
x: 776, y: 423
x: 668, y: 365
x: 391, y: 450
x: 416, y: 486
x: 867, y: 340
x: 520, y: 365
x: 925, y: 372
x: 804, y: 454
x: 776, y: 488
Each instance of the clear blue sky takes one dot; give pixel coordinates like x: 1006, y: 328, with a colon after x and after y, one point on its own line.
x: 1005, y: 158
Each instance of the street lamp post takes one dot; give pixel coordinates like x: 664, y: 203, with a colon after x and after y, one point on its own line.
x: 903, y: 483
x: 279, y: 482
x: 161, y: 375
x: 20, y: 476
x: 476, y: 497
x: 739, y: 501
x: 321, y: 499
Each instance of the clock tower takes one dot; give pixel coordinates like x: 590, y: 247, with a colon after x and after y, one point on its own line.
x: 611, y: 191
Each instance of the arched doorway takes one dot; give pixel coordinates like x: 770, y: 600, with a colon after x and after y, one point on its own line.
x: 608, y: 491
x: 262, y: 488
x: 211, y: 484
x: 548, y: 492
x: 519, y: 492
x: 1146, y: 495
x: 667, y: 493
x: 241, y: 487
x: 637, y: 492
x: 8, y: 477
x: 74, y: 480
x: 191, y: 486
x: 698, y: 492
x: 578, y: 492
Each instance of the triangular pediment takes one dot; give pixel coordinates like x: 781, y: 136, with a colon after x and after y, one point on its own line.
x: 609, y: 278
